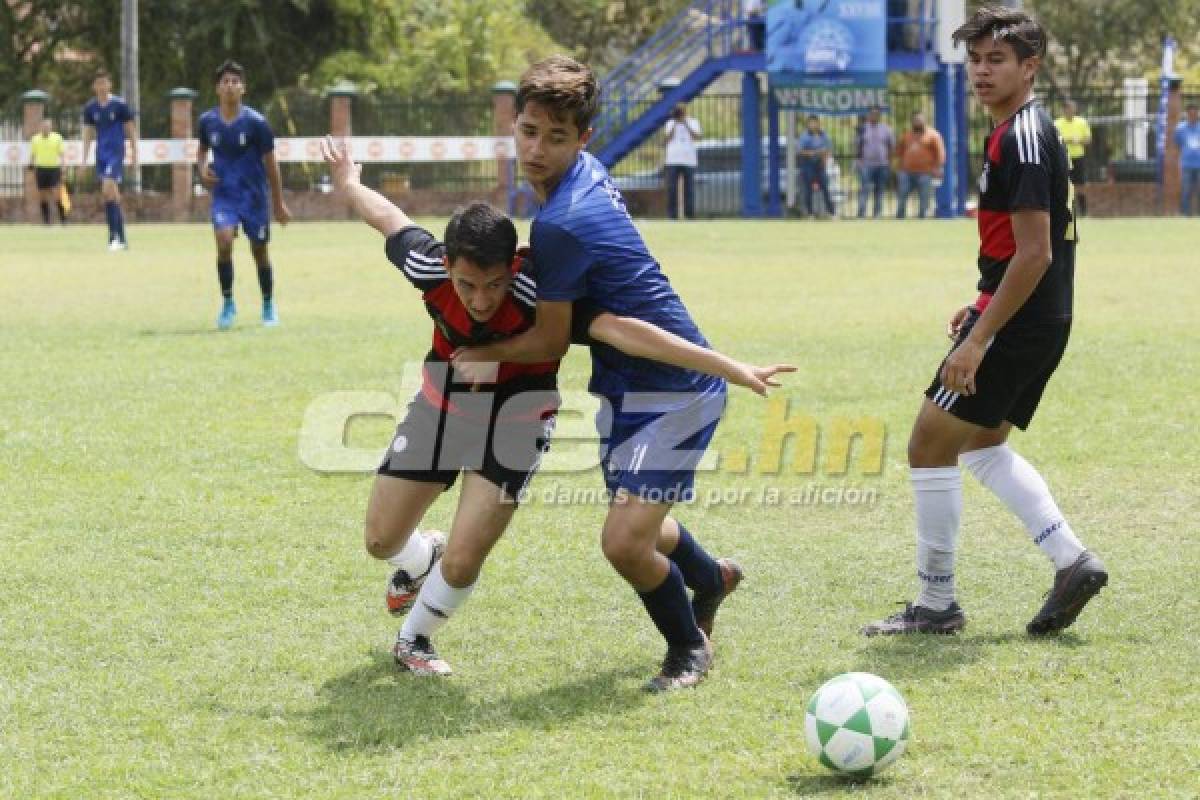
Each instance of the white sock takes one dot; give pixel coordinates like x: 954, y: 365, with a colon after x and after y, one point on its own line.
x: 436, y: 603
x: 414, y: 556
x: 937, y: 492
x: 1022, y: 489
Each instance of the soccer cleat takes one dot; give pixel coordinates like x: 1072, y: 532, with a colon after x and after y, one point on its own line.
x: 705, y: 606
x: 116, y: 245
x: 1073, y: 587
x: 228, y: 312
x: 683, y: 668
x: 269, y: 317
x: 919, y: 619
x: 402, y: 588
x: 417, y: 656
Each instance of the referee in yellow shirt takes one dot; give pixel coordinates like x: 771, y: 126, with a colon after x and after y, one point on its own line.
x: 45, y: 158
x: 1076, y: 132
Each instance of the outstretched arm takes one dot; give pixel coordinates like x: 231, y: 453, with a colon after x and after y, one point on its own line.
x: 644, y: 340
x: 375, y: 209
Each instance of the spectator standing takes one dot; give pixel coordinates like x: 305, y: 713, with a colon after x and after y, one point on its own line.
x: 682, y: 133
x: 1187, y: 136
x: 814, y: 149
x: 922, y: 157
x: 756, y: 23
x: 876, y: 144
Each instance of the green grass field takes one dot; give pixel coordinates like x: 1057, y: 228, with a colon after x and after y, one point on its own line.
x: 186, y: 609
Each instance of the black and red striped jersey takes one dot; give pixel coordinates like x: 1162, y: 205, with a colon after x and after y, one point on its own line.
x: 419, y: 255
x: 1025, y: 167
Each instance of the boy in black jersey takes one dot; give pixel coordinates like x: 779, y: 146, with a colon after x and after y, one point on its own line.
x: 477, y: 289
x: 1007, y: 344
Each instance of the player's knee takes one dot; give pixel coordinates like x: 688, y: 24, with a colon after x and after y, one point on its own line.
x: 460, y: 569
x: 623, y: 552
x: 379, y: 540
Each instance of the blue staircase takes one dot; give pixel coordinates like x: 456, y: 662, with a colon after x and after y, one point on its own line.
x: 700, y: 43
x: 691, y: 51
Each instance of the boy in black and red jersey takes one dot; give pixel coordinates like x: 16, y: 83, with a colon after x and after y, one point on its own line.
x: 1007, y: 344
x: 477, y: 290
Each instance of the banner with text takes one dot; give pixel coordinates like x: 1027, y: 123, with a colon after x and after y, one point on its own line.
x: 828, y: 56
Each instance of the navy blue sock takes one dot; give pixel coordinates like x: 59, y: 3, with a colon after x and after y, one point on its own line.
x: 700, y: 571
x: 225, y: 276
x: 671, y: 611
x: 110, y: 214
x: 119, y: 216
x: 266, y: 280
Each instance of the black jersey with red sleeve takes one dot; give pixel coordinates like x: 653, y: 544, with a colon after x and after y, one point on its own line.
x: 420, y: 257
x: 1026, y: 168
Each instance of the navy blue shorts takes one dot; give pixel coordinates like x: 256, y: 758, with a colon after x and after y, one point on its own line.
x: 653, y: 454
x: 110, y: 169
x: 255, y: 222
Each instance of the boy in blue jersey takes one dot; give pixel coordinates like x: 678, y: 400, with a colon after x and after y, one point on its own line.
x: 656, y: 419
x: 109, y: 120
x: 243, y: 166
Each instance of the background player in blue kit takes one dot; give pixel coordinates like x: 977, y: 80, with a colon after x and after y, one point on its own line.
x: 108, y: 119
x: 243, y: 165
x: 657, y: 419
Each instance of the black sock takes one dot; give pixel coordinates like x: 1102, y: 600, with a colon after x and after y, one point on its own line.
x: 225, y: 276
x: 266, y: 280
x: 671, y: 611
x: 62, y: 213
x: 700, y: 570
x: 110, y: 214
x: 45, y: 213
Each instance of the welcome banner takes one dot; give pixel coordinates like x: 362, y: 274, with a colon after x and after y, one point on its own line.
x: 828, y: 56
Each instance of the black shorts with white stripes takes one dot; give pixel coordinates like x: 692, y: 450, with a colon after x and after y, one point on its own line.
x: 432, y: 446
x: 1010, y: 379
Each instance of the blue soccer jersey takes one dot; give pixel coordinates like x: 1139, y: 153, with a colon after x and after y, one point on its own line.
x: 238, y: 148
x: 109, y: 121
x: 586, y: 246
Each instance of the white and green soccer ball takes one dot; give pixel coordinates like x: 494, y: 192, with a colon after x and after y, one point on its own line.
x: 856, y: 724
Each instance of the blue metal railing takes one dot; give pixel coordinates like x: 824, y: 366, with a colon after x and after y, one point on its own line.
x: 704, y: 30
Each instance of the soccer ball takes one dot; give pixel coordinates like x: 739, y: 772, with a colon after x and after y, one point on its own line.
x: 856, y: 724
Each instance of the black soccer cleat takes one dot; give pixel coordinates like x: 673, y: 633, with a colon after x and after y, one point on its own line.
x: 683, y: 668
x: 704, y: 606
x: 1073, y: 587
x: 919, y: 619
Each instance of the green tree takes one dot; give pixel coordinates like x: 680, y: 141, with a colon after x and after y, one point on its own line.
x: 1099, y: 42
x: 602, y: 32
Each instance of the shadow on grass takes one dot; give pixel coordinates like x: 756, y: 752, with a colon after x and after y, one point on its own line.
x: 208, y: 331
x: 810, y: 785
x: 919, y: 655
x: 377, y: 706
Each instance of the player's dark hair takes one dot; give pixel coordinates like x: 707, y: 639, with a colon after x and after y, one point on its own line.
x: 564, y: 87
x: 1023, y: 32
x: 482, y: 235
x: 229, y: 66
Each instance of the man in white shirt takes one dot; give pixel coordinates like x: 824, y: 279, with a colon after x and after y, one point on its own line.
x: 682, y: 133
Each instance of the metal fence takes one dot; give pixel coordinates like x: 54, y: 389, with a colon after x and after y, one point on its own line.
x: 1122, y: 145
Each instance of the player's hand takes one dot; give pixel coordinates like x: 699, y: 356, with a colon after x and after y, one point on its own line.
x: 342, y: 169
x: 758, y: 379
x: 956, y: 322
x: 283, y: 214
x: 470, y: 370
x: 208, y: 177
x: 958, y: 373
